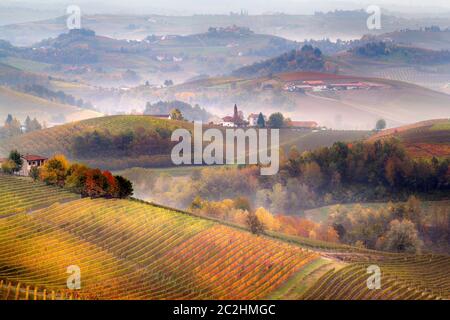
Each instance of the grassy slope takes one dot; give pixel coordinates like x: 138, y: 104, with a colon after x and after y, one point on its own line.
x: 21, y: 105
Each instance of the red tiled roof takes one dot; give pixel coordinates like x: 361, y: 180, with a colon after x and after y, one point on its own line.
x: 33, y: 157
x: 303, y: 124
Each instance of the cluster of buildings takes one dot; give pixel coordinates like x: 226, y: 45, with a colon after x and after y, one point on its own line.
x: 238, y: 120
x: 320, y: 85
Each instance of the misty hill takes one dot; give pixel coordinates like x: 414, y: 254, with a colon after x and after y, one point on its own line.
x: 108, y: 142
x: 305, y: 59
x: 95, y: 59
x: 336, y: 101
x: 189, y: 112
x: 344, y: 24
x: 21, y: 105
x: 424, y: 67
x: 401, y: 54
x: 433, y: 38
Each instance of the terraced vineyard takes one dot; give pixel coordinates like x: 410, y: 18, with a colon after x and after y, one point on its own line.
x: 413, y: 277
x: 127, y: 249
x: 21, y: 195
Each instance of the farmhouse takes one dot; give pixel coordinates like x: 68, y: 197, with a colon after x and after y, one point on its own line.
x: 30, y: 161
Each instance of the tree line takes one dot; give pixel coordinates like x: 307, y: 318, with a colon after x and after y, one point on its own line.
x: 137, y: 142
x: 13, y: 127
x: 76, y: 177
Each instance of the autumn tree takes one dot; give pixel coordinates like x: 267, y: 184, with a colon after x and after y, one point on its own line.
x: 76, y: 178
x: 54, y: 170
x: 267, y: 219
x: 111, y: 186
x: 402, y: 236
x: 8, y: 166
x: 254, y: 224
x: 96, y: 184
x: 176, y: 114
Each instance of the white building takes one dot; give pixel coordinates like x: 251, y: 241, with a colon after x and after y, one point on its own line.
x: 30, y: 161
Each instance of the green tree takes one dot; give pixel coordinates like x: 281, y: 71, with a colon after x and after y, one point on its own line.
x: 16, y: 157
x: 125, y: 187
x: 34, y: 173
x: 380, y: 125
x: 261, y: 123
x: 276, y: 120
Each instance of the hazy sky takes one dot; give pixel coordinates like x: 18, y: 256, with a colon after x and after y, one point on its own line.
x: 225, y: 6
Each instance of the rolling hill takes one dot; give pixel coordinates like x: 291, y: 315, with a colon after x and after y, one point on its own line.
x: 119, y: 142
x: 433, y: 38
x: 399, y: 103
x: 21, y: 105
x: 344, y: 24
x: 108, y: 142
x: 132, y: 250
x: 425, y: 139
x: 84, y: 55
x: 390, y: 60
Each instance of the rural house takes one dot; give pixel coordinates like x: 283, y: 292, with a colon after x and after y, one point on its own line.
x: 30, y: 161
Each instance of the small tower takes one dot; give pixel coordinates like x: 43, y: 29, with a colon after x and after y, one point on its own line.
x: 236, y: 113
